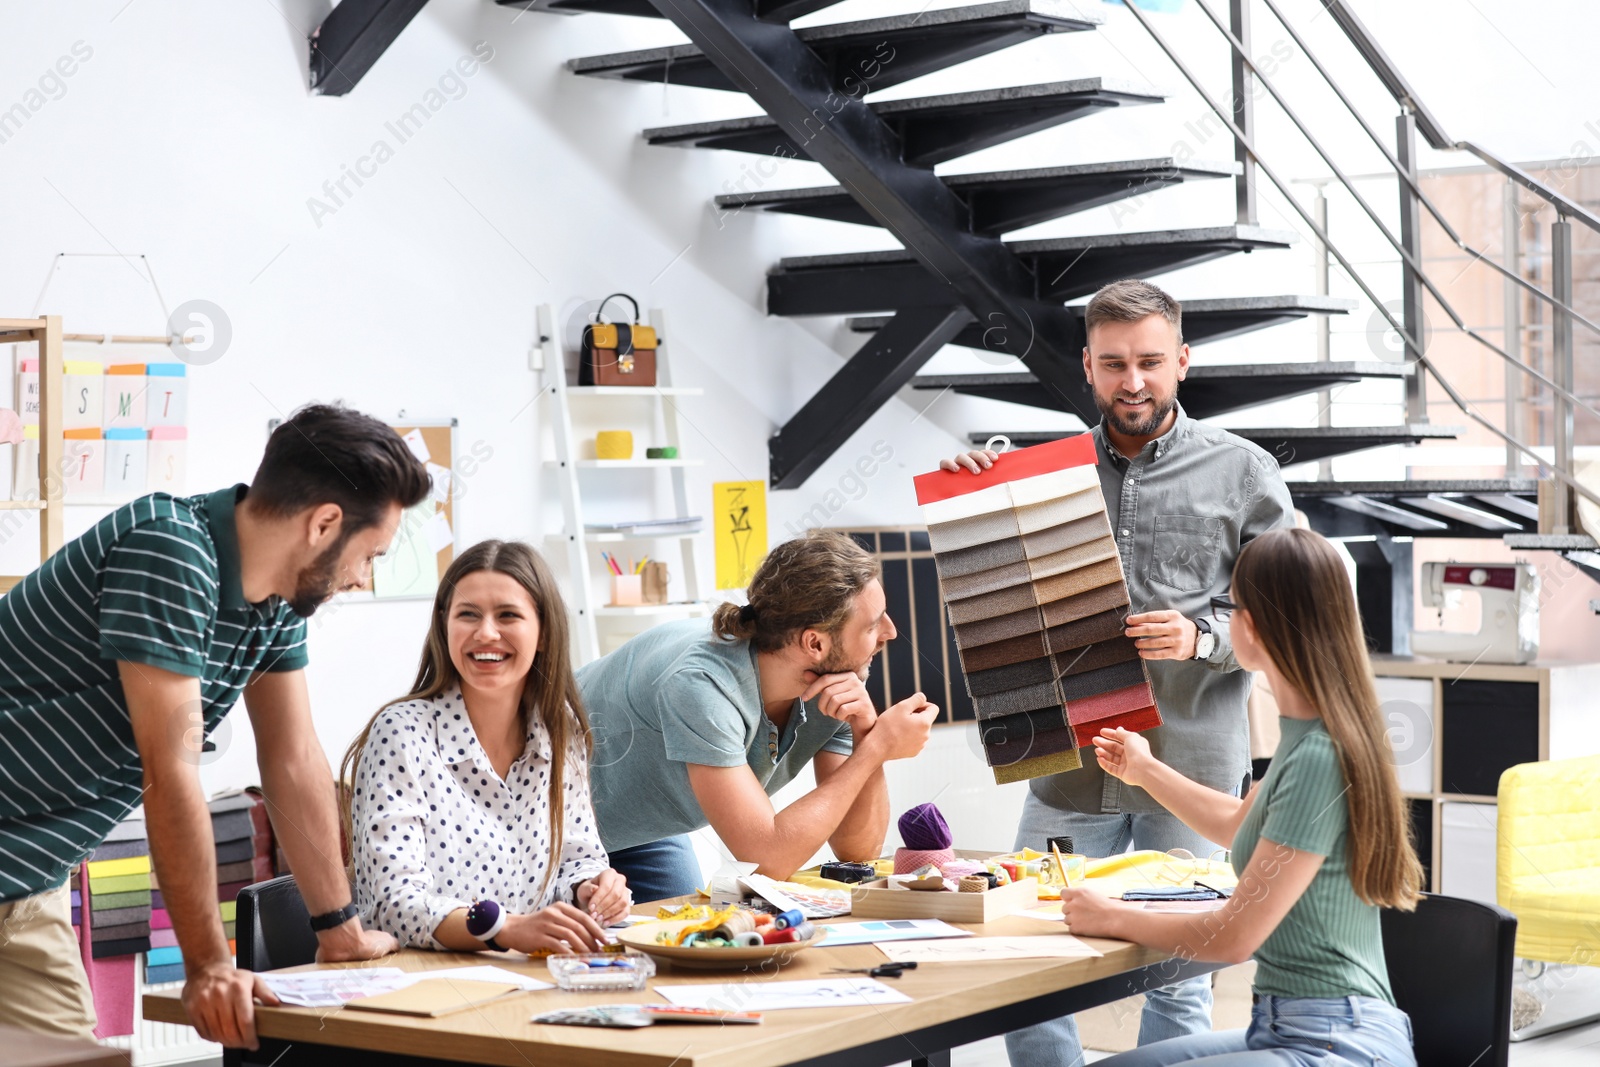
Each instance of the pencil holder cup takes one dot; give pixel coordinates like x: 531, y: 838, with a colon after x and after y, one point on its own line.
x: 627, y: 590
x: 613, y: 444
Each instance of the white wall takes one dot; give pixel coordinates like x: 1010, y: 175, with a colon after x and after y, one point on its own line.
x: 185, y: 134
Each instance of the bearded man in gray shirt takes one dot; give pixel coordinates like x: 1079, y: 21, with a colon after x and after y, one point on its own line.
x: 1183, y: 498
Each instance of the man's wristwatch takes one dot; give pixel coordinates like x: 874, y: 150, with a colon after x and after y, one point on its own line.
x: 484, y: 920
x: 1205, y: 641
x: 328, y: 920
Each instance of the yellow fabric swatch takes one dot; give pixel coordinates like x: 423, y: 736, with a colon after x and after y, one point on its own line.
x: 112, y: 868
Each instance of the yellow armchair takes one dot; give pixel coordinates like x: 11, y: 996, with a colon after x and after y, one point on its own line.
x: 1547, y: 859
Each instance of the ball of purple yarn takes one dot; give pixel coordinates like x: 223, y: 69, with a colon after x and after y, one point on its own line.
x: 924, y: 828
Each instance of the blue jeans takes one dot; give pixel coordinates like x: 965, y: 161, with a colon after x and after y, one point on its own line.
x: 1170, y: 1011
x: 657, y: 870
x: 1293, y: 1032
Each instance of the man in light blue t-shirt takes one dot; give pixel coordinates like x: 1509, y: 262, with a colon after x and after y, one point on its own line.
x: 697, y: 723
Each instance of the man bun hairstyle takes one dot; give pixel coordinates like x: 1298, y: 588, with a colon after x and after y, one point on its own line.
x: 1131, y: 300
x: 329, y: 454
x: 810, y: 583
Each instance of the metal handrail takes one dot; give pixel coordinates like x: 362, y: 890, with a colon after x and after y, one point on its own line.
x: 1416, y: 190
x: 1564, y: 206
x: 1372, y: 214
x: 1226, y: 117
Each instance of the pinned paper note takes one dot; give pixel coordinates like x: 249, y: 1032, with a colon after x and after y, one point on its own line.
x: 739, y: 510
x: 438, y: 533
x: 410, y: 567
x: 439, y: 480
x: 419, y: 447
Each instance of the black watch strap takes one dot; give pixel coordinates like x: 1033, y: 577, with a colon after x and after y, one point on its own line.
x: 329, y: 920
x: 493, y: 945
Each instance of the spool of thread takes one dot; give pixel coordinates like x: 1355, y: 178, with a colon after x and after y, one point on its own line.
x: 739, y: 923
x: 775, y: 936
x: 1010, y: 867
x: 974, y: 883
x: 613, y: 444
x: 907, y: 860
x: 786, y: 919
x: 748, y: 939
x: 665, y: 452
x: 1062, y: 844
x: 804, y: 932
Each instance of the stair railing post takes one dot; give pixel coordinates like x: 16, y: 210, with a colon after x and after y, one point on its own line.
x: 1319, y: 266
x: 1512, y: 341
x: 1561, y: 350
x: 1411, y: 293
x: 1243, y: 112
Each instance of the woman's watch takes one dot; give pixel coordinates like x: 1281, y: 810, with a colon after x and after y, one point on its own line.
x: 330, y: 919
x: 484, y: 920
x: 1205, y: 641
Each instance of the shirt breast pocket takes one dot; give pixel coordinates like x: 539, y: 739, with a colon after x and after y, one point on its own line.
x: 1188, y: 552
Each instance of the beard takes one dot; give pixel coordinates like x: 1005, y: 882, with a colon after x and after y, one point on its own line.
x: 839, y: 663
x: 316, y: 584
x: 1136, y: 425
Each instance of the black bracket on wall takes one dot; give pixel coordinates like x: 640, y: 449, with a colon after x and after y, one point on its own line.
x: 351, y: 39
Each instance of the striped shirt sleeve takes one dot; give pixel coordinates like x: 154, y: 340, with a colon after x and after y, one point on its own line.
x: 158, y: 600
x: 1307, y: 809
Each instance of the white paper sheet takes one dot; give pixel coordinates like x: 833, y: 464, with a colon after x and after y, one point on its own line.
x: 330, y: 989
x: 840, y: 992
x: 1052, y: 946
x: 418, y: 446
x: 878, y: 931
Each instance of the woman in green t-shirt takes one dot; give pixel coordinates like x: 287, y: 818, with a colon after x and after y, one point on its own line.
x: 1320, y: 844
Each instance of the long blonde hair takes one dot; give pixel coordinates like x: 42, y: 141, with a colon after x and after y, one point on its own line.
x: 549, y: 693
x: 1298, y: 594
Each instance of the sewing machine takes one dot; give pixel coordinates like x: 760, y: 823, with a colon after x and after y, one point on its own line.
x: 1509, y: 595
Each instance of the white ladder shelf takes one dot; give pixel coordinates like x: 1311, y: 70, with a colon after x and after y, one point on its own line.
x: 581, y: 543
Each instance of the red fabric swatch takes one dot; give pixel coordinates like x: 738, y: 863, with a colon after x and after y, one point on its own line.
x: 1142, y: 719
x: 1014, y: 466
x: 1114, y: 702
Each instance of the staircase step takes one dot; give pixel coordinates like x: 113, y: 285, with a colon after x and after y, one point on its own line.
x: 1203, y: 320
x: 931, y: 129
x: 1003, y: 200
x: 865, y: 57
x: 1296, y: 445
x: 640, y: 8
x: 1066, y: 268
x: 1531, y: 542
x: 1467, y: 507
x: 1208, y: 390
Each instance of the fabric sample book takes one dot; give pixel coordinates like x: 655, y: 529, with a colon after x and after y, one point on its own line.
x: 1033, y: 585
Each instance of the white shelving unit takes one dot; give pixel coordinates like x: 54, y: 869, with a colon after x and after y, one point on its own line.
x: 573, y: 411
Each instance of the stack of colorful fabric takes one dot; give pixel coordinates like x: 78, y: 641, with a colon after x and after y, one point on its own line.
x: 1033, y: 583
x: 263, y: 855
x: 114, y: 914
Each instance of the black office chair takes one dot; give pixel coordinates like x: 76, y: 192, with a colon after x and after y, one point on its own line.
x: 274, y: 928
x: 1450, y: 967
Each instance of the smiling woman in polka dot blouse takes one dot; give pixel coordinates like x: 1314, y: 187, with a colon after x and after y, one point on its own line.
x: 476, y: 786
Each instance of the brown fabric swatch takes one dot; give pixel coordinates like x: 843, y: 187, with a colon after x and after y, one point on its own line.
x: 1102, y: 626
x: 1013, y: 676
x: 1105, y: 598
x: 1117, y: 676
x: 1015, y: 747
x: 1092, y: 657
x: 978, y: 530
x: 1003, y: 653
x: 1073, y: 559
x: 960, y: 586
x: 1016, y: 549
x: 1095, y: 575
x: 1038, y: 767
x: 999, y: 628
x: 988, y: 605
x: 1017, y: 701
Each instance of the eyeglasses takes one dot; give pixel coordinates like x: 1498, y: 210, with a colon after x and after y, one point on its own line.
x: 1222, y: 607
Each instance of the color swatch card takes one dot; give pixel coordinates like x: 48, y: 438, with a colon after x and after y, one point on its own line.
x: 1033, y: 584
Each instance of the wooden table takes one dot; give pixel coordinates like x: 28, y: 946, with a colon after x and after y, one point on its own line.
x: 953, y: 1004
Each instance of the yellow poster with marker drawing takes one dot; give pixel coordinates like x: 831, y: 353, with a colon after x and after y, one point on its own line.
x: 739, y: 511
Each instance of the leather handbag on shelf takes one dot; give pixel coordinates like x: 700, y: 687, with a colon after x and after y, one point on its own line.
x: 617, y: 353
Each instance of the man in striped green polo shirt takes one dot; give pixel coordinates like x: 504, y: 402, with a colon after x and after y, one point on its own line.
x: 132, y: 642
